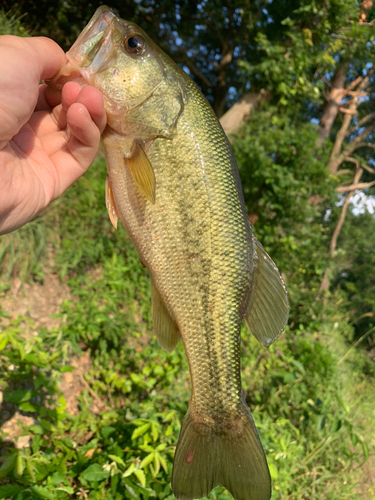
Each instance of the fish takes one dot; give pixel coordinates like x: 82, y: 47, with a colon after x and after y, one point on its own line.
x: 174, y: 184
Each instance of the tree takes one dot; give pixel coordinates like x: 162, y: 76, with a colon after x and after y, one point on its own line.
x: 355, y: 272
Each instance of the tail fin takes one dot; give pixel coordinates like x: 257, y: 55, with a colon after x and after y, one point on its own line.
x: 230, y: 456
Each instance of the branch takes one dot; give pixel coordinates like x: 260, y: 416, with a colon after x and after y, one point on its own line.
x: 354, y: 187
x: 336, y: 158
x: 358, y: 163
x: 335, y: 161
x: 344, y: 172
x: 365, y: 145
x: 358, y: 141
x: 326, y: 82
x: 352, y: 160
x: 340, y: 222
x: 347, y: 111
x: 354, y: 83
x: 337, y: 154
x: 361, y: 122
x: 183, y: 58
x: 371, y: 23
x: 356, y: 93
x: 369, y: 169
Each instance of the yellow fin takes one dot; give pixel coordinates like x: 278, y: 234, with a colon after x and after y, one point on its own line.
x: 166, y: 331
x: 110, y: 204
x: 268, y: 309
x: 142, y: 171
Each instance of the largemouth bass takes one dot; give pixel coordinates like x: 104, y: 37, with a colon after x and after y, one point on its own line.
x: 174, y: 184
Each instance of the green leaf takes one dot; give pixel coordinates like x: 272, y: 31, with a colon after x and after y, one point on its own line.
x: 27, y: 406
x: 8, y: 464
x: 273, y: 471
x: 9, y: 490
x: 66, y: 368
x: 30, y: 469
x: 170, y: 416
x: 36, y: 429
x: 154, y: 431
x: 107, y: 430
x: 140, y: 476
x: 156, y: 463
x: 41, y: 492
x: 147, y: 460
x: 117, y: 459
x: 19, y: 467
x: 67, y: 489
x: 163, y: 463
x: 129, y: 471
x: 95, y: 473
x: 140, y: 430
x: 131, y: 491
x: 366, y: 451
x: 3, y: 341
x: 57, y: 478
x: 18, y: 396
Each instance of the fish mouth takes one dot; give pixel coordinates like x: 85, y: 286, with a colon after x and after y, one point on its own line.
x: 92, y: 52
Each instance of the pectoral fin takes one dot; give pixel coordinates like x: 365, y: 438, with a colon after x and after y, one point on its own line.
x: 142, y: 171
x: 165, y: 330
x: 268, y: 309
x: 110, y: 203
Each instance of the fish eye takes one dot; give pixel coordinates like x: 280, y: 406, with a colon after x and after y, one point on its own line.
x: 134, y: 44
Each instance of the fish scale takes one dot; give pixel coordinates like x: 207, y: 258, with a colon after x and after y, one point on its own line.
x: 174, y: 184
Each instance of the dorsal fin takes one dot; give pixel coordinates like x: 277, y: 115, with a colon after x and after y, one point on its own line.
x: 268, y: 309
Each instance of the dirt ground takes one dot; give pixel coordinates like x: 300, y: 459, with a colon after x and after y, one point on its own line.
x: 40, y: 302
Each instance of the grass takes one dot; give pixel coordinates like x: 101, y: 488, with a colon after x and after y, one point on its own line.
x: 311, y: 402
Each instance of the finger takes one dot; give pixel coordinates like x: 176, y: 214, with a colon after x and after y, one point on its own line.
x: 48, y: 55
x: 49, y: 97
x: 43, y: 103
x: 69, y: 94
x: 83, y: 142
x: 60, y: 101
x: 93, y: 100
x: 43, y: 57
x: 84, y: 130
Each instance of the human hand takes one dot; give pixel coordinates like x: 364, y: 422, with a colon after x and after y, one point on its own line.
x: 48, y: 138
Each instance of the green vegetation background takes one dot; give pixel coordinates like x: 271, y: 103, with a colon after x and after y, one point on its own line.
x: 311, y: 394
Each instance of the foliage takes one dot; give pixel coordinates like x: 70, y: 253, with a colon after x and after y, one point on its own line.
x: 121, y: 442
x: 314, y: 38
x: 311, y: 392
x: 282, y: 173
x: 231, y: 47
x: 10, y: 24
x: 355, y: 267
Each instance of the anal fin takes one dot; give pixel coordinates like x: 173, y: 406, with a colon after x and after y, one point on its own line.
x: 110, y: 203
x: 166, y: 331
x: 268, y: 309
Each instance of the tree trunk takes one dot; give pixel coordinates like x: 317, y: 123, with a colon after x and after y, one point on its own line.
x: 332, y: 247
x: 232, y: 120
x: 333, y: 103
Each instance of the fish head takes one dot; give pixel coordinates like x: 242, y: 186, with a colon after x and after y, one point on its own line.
x: 118, y: 58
